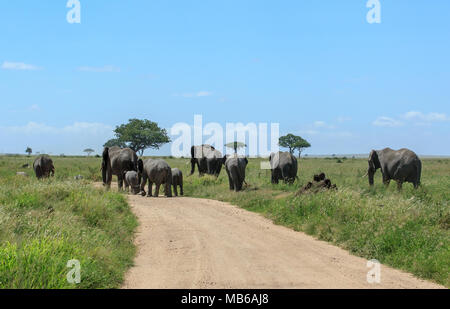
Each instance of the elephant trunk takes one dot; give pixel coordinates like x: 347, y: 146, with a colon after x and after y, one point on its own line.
x: 193, y: 161
x: 371, y: 173
x: 105, y: 164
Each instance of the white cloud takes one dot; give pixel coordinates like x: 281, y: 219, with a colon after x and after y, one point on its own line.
x: 309, y: 132
x: 386, y: 122
x: 19, y: 66
x: 322, y: 124
x: 343, y: 119
x: 430, y: 117
x: 78, y: 128
x: 103, y: 69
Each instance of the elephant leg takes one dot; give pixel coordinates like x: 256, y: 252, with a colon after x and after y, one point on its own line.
x: 150, y: 187
x: 181, y: 189
x: 230, y: 181
x: 127, y: 189
x: 237, y: 185
x: 157, y: 185
x: 175, y: 191
x: 168, y: 189
x: 120, y: 182
x: 143, y: 182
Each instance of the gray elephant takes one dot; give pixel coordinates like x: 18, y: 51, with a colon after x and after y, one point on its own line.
x: 283, y: 165
x: 177, y: 181
x: 156, y: 171
x: 117, y: 161
x: 132, y: 180
x: 43, y: 167
x: 207, y: 159
x: 400, y: 165
x: 235, y: 167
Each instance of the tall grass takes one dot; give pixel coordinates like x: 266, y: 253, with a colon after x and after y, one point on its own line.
x: 44, y: 224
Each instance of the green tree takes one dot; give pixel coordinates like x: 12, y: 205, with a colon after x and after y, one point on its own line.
x: 301, y: 145
x: 293, y: 142
x: 236, y: 146
x: 89, y: 151
x: 29, y: 151
x: 115, y: 142
x: 139, y: 135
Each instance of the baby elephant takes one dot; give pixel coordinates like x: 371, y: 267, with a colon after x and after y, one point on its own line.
x: 131, y: 179
x: 177, y: 180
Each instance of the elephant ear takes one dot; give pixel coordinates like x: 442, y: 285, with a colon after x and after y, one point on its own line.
x: 140, y: 166
x: 224, y: 159
x: 271, y: 156
x: 246, y: 161
x: 374, y: 162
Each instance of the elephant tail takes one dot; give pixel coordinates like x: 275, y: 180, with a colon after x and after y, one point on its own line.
x: 419, y: 172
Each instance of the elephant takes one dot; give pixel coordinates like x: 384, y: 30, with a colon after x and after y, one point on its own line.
x: 235, y: 167
x: 159, y: 172
x: 400, y: 165
x: 208, y: 160
x: 177, y: 180
x: 43, y: 167
x: 283, y: 165
x: 131, y: 179
x: 117, y: 161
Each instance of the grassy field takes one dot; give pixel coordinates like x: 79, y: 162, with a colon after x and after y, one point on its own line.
x: 408, y: 230
x: 44, y: 224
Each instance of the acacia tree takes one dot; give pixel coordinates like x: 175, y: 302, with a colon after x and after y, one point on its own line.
x: 29, y: 151
x: 139, y: 135
x: 301, y: 145
x: 294, y: 142
x: 236, y: 146
x: 89, y: 151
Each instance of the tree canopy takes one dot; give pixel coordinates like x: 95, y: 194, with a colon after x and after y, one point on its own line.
x: 235, y: 146
x: 139, y: 135
x: 89, y: 151
x: 29, y: 151
x: 294, y: 142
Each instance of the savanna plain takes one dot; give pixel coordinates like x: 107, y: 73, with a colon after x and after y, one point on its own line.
x: 44, y: 224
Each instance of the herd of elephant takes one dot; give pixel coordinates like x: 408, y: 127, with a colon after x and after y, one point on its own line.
x: 133, y: 173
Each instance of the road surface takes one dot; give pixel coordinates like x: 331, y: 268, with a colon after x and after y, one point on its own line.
x: 188, y: 243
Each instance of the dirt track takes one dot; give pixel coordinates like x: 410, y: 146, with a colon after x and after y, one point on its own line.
x: 193, y: 243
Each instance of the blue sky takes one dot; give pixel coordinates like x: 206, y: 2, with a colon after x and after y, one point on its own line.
x: 316, y: 67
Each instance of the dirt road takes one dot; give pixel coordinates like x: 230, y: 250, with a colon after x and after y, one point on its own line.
x: 193, y: 243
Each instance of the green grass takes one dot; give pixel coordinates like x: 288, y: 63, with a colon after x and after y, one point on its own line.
x: 408, y: 230
x: 44, y: 224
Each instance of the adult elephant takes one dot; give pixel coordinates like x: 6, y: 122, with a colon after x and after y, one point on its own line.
x: 207, y: 159
x: 400, y: 165
x: 118, y: 161
x: 283, y: 166
x: 43, y: 167
x: 156, y: 171
x: 235, y: 167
